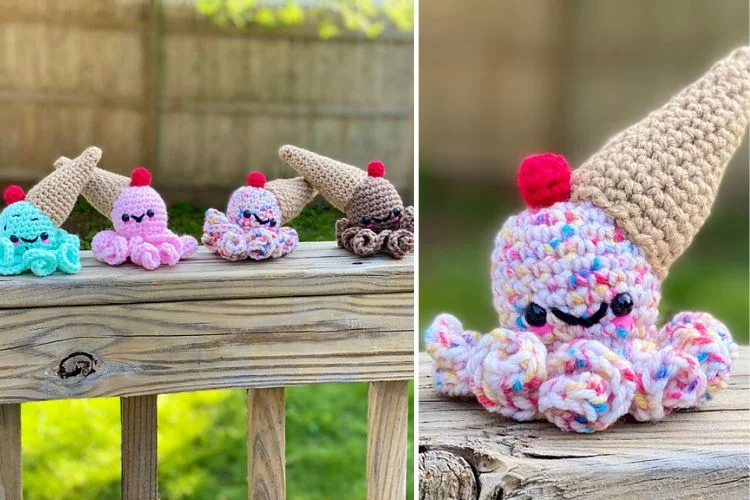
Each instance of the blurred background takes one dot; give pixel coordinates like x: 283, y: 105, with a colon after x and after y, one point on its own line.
x: 201, y: 92
x: 500, y: 80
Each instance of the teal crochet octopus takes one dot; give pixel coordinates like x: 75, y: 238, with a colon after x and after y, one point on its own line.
x: 30, y: 236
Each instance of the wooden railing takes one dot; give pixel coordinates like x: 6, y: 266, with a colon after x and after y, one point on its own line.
x: 318, y: 315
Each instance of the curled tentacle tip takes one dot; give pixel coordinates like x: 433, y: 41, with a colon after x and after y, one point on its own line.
x: 376, y: 169
x: 140, y: 177
x: 13, y: 194
x: 256, y: 179
x: 544, y: 179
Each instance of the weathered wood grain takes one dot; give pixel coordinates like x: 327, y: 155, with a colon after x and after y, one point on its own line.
x: 691, y: 454
x: 139, y: 455
x: 136, y: 349
x: 387, y: 420
x: 266, y: 444
x: 10, y: 452
x: 317, y: 268
x: 445, y: 476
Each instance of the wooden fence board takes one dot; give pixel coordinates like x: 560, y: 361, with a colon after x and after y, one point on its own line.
x: 10, y: 452
x: 139, y: 448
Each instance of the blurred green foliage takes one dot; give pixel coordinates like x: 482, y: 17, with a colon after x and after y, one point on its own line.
x: 365, y: 16
x: 72, y: 448
x: 458, y: 224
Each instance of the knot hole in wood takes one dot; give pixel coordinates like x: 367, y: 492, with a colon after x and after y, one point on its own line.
x: 75, y: 364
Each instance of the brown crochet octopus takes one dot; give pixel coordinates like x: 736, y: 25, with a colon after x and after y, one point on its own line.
x: 376, y: 219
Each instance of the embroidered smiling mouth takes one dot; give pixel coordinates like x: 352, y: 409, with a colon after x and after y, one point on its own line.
x: 580, y: 320
x: 382, y: 219
x: 33, y: 240
x: 262, y: 222
x: 138, y: 218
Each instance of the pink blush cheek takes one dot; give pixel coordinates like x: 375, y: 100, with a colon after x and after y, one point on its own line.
x: 17, y: 243
x: 624, y: 321
x: 541, y: 330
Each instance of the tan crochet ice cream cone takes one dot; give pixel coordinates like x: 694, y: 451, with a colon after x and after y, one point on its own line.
x: 56, y: 194
x: 102, y: 189
x: 658, y: 178
x: 292, y: 194
x: 336, y: 181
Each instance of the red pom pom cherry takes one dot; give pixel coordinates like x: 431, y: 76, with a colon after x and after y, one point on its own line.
x: 376, y: 169
x: 256, y: 179
x: 544, y: 179
x: 140, y: 177
x: 13, y: 194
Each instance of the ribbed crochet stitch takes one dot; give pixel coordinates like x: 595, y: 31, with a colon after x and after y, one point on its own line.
x: 577, y: 295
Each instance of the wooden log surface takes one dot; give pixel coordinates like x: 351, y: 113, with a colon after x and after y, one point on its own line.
x: 693, y: 454
x: 266, y: 444
x: 387, y: 423
x: 139, y: 454
x: 10, y: 452
x: 359, y: 327
x: 313, y: 269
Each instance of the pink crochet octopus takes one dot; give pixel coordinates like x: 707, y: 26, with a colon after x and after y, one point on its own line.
x: 252, y: 227
x: 140, y: 218
x: 578, y: 342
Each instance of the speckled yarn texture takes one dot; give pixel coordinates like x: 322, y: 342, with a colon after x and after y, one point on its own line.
x: 140, y: 234
x: 252, y: 226
x: 577, y: 295
x: 30, y: 237
x: 376, y: 219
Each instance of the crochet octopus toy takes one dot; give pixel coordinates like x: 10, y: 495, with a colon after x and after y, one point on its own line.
x: 30, y: 235
x: 253, y: 227
x: 139, y: 216
x: 576, y: 276
x: 376, y: 219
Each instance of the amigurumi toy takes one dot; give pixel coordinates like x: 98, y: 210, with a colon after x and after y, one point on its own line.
x: 253, y: 227
x: 576, y: 277
x: 30, y: 233
x: 139, y: 216
x: 376, y: 219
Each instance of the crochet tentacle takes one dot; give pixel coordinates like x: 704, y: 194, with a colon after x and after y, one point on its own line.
x: 450, y: 348
x: 68, y: 254
x: 589, y: 387
x: 110, y: 248
x: 708, y: 340
x: 40, y: 262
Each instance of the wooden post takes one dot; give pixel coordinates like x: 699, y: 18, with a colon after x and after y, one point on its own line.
x: 10, y: 452
x: 266, y: 444
x: 387, y: 420
x: 138, y: 419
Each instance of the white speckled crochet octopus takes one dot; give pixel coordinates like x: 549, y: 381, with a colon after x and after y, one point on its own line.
x: 253, y: 227
x: 576, y: 277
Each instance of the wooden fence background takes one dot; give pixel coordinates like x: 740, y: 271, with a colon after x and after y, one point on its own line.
x: 153, y: 84
x: 502, y: 79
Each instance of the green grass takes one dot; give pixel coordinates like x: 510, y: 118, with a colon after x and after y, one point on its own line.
x: 454, y: 265
x: 72, y: 448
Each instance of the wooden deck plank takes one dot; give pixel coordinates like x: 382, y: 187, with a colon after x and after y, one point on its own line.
x: 136, y: 349
x: 387, y: 423
x: 691, y: 454
x: 313, y: 269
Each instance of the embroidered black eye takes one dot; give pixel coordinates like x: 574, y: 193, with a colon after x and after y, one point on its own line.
x: 44, y: 236
x: 365, y: 219
x: 150, y: 213
x: 535, y: 315
x: 622, y: 304
x: 272, y: 223
x: 125, y: 217
x: 247, y: 214
x: 14, y: 238
x: 396, y: 211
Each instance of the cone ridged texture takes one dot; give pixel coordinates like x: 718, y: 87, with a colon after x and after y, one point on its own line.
x: 659, y: 178
x: 336, y: 181
x: 292, y: 194
x: 56, y: 194
x: 102, y: 189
